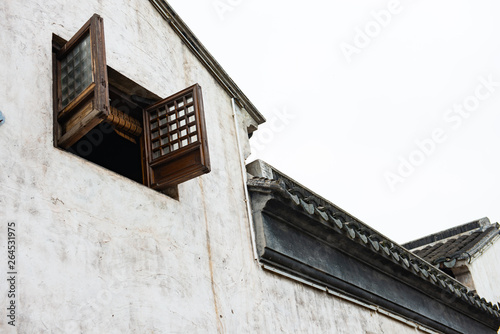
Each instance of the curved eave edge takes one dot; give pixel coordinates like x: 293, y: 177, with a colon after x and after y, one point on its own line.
x: 490, y: 234
x: 378, y: 244
x: 187, y: 36
x: 472, y: 252
x: 451, y: 232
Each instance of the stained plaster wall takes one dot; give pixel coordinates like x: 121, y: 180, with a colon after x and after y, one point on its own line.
x: 484, y: 271
x: 98, y: 253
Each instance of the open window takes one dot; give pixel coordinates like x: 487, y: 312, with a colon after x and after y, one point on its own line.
x: 104, y: 117
x: 81, y: 77
x: 176, y: 143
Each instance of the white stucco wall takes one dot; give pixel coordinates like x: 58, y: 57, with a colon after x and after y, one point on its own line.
x: 98, y: 253
x: 484, y: 272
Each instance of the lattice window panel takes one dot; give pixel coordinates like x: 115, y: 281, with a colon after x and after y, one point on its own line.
x: 76, y: 71
x: 80, y: 63
x: 176, y: 139
x: 173, y: 126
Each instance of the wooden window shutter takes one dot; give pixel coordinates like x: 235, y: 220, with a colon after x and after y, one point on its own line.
x: 81, y: 83
x: 175, y: 138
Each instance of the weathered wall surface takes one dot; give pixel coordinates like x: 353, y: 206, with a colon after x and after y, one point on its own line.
x: 98, y: 253
x: 485, y: 273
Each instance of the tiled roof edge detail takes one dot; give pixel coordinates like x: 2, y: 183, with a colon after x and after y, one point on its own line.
x: 490, y: 234
x: 447, y: 233
x: 462, y: 246
x: 359, y: 232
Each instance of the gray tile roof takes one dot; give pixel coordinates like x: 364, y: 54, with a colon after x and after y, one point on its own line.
x: 457, y: 243
x: 380, y: 245
x: 374, y: 241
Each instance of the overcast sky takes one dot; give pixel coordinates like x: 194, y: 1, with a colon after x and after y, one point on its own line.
x: 389, y: 109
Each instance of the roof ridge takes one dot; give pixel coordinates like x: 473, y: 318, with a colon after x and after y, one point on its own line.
x: 482, y: 239
x: 363, y: 234
x: 448, y: 233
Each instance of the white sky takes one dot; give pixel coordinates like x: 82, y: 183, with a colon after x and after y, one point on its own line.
x: 348, y: 124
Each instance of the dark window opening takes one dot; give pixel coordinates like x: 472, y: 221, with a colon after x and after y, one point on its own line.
x: 447, y: 271
x: 116, y: 143
x: 112, y: 151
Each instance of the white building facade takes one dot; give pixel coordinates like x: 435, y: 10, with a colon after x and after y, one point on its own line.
x: 97, y: 252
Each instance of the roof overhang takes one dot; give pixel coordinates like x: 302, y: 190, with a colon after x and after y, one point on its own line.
x: 303, y: 235
x: 213, y: 67
x: 458, y: 245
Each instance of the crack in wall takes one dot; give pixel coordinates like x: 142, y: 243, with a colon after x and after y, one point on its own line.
x: 220, y: 325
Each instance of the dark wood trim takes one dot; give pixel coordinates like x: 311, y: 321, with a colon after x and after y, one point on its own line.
x: 184, y: 163
x: 200, y: 120
x: 99, y: 61
x: 75, y: 39
x: 143, y: 159
x: 56, y: 97
x: 146, y: 139
x: 96, y: 93
x: 87, y: 94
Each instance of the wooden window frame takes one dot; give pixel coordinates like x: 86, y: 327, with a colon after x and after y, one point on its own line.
x: 185, y: 163
x: 91, y: 106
